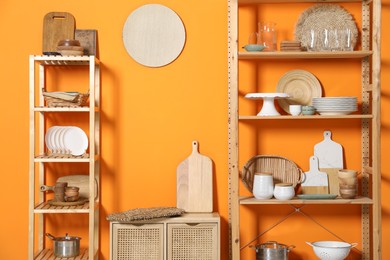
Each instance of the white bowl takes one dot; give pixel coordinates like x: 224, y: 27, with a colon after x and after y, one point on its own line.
x: 254, y: 47
x: 284, y: 191
x: 331, y: 250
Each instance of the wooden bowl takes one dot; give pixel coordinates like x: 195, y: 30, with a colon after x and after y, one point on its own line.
x: 348, y: 193
x: 71, y: 198
x: 69, y: 42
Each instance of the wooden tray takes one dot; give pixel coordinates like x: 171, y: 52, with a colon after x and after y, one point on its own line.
x: 282, y: 169
x: 81, y: 201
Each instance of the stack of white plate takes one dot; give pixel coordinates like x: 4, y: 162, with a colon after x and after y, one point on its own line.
x: 66, y: 140
x: 335, y: 105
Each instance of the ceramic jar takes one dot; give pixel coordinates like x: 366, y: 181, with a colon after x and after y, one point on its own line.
x: 284, y: 191
x: 263, y: 186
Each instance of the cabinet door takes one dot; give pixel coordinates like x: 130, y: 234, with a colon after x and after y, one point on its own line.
x: 193, y: 241
x: 137, y: 241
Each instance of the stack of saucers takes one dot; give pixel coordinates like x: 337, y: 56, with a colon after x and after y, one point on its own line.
x: 335, y: 105
x: 290, y: 46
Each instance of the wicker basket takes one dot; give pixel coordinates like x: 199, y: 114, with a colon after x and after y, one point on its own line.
x: 79, y: 100
x: 282, y: 169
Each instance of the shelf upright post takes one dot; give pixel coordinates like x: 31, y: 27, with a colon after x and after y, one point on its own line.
x: 376, y: 128
x: 234, y: 216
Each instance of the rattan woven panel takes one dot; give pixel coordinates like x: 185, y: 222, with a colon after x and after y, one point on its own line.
x: 187, y: 242
x: 139, y: 242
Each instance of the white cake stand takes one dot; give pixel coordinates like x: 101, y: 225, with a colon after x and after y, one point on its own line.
x: 268, y: 108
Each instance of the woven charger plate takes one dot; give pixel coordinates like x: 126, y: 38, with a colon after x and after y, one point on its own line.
x: 301, y: 86
x: 324, y: 16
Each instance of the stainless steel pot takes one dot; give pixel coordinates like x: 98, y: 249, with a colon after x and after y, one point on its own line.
x: 272, y: 250
x: 66, y: 246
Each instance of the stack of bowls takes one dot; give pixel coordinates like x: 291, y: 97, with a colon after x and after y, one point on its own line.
x: 348, y: 182
x: 71, y: 193
x: 70, y: 47
x: 308, y: 110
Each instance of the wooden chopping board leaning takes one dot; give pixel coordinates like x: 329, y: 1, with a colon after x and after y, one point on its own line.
x: 316, y: 182
x: 81, y: 181
x: 57, y: 26
x: 330, y: 159
x: 194, y: 180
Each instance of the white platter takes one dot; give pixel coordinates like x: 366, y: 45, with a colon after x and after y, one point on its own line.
x: 335, y: 112
x: 75, y: 140
x: 66, y: 140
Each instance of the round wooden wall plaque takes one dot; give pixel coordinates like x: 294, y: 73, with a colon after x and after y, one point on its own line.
x: 154, y: 35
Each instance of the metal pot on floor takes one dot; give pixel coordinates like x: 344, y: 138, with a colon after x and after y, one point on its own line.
x: 272, y: 250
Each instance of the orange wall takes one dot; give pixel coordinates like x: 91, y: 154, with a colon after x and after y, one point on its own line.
x: 150, y: 116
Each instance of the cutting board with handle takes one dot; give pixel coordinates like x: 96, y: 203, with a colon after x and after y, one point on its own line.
x: 330, y: 158
x: 315, y: 182
x: 81, y: 181
x: 57, y: 26
x: 194, y: 180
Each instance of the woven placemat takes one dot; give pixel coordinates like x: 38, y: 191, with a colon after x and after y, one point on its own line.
x: 145, y: 214
x: 324, y: 16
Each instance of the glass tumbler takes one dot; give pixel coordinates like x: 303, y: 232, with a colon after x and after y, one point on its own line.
x: 267, y: 35
x: 312, y: 40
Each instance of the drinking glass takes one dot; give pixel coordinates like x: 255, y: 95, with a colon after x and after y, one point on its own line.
x: 312, y: 40
x: 267, y: 34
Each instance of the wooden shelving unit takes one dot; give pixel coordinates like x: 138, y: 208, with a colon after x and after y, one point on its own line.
x: 39, y: 155
x: 369, y: 55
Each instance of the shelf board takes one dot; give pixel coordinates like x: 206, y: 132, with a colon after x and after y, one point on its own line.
x: 304, y: 55
x: 61, y: 109
x: 61, y: 158
x: 288, y: 117
x: 295, y: 1
x: 64, y: 60
x: 252, y: 201
x: 48, y: 254
x: 45, y: 207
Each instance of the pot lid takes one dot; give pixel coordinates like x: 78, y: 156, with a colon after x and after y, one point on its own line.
x: 271, y: 244
x: 66, y: 238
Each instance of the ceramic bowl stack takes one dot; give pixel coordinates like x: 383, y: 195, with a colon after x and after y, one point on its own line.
x: 335, y: 105
x: 70, y: 47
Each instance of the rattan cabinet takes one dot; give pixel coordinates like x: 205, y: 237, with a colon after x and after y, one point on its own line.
x: 42, y: 161
x: 369, y: 116
x: 191, y: 236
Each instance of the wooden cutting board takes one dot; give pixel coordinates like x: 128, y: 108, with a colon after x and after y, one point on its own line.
x: 57, y: 26
x: 194, y: 182
x: 315, y: 182
x: 330, y: 158
x: 81, y: 181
